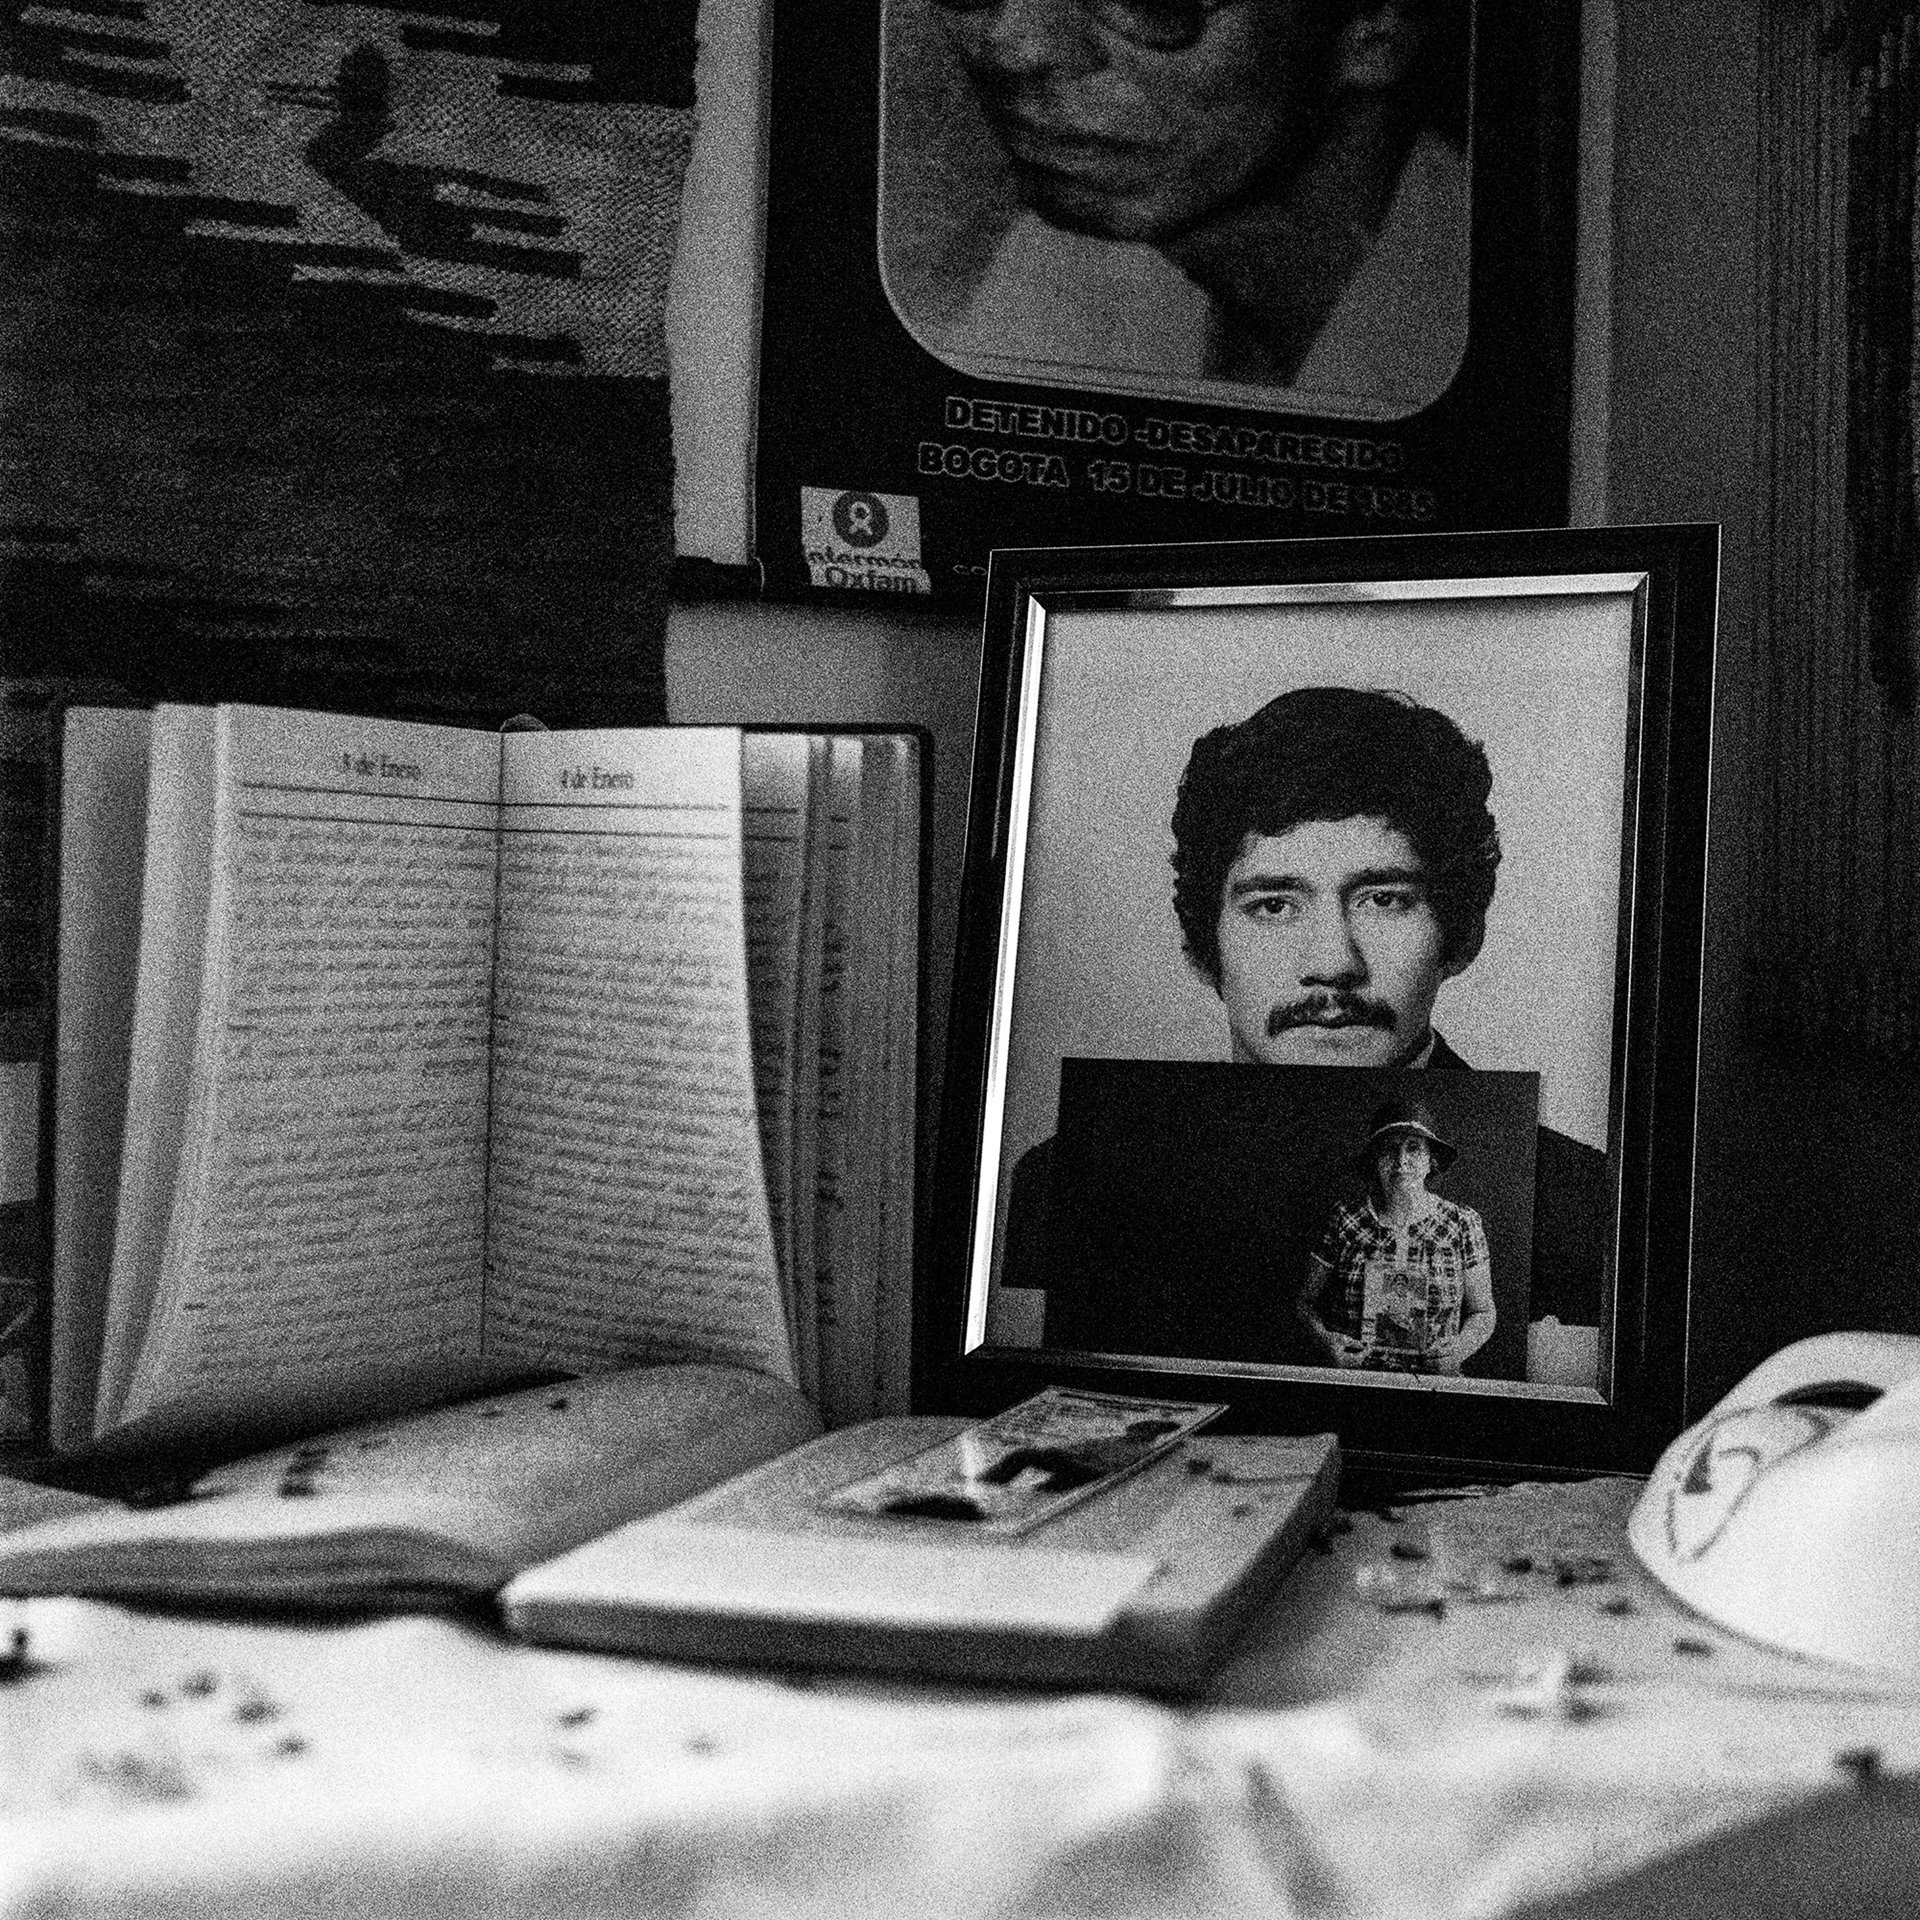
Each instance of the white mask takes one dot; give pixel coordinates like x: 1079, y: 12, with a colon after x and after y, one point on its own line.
x: 1791, y: 1513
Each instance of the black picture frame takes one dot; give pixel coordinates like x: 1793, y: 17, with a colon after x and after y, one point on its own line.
x: 1583, y: 659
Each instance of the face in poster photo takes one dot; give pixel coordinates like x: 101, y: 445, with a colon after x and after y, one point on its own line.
x: 1266, y: 195
x: 1341, y: 887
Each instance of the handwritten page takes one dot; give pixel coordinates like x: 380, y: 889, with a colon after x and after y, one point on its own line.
x: 836, y: 1283
x: 103, y: 829
x: 331, y: 1195
x: 897, y: 1081
x: 804, y: 1097
x: 627, y: 1207
x: 456, y: 1498
x: 866, y: 936
x: 774, y: 842
x: 176, y: 883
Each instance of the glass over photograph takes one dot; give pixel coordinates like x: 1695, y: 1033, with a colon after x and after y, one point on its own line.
x: 1306, y: 1049
x: 1249, y: 202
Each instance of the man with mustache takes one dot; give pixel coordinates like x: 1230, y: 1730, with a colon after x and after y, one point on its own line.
x: 1334, y: 860
x: 1267, y: 191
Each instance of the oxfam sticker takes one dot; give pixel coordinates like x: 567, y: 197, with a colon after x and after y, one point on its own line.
x: 869, y: 542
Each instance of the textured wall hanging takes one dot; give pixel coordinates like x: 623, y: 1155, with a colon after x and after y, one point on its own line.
x: 332, y: 370
x: 333, y: 336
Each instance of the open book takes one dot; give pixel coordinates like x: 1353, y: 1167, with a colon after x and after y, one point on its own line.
x: 396, y: 1060
x: 691, y: 1512
x: 425, y: 1508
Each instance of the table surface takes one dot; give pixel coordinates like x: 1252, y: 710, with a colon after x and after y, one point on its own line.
x: 1469, y: 1705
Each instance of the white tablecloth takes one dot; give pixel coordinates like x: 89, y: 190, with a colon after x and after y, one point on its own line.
x: 1356, y: 1758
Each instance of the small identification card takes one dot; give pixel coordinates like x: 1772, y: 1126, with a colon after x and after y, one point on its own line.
x: 1026, y: 1465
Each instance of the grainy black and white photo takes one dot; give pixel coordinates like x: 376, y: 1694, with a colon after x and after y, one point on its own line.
x: 1179, y: 196
x: 1377, y: 831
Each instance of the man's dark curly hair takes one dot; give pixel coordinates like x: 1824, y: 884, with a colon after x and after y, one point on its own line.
x: 1331, y: 753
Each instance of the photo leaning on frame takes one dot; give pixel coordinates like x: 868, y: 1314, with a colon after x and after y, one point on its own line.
x: 1334, y: 861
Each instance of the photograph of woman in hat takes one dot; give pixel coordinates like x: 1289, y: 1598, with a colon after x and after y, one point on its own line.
x: 1401, y: 1281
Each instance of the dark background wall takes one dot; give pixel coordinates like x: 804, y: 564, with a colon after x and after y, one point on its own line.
x: 1805, y: 1216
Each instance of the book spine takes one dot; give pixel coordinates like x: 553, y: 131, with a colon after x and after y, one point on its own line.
x: 30, y: 712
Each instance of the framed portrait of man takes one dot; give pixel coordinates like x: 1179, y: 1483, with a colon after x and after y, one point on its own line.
x: 1327, y: 1012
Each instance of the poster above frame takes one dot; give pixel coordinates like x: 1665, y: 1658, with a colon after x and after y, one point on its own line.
x: 1099, y: 1105
x: 946, y: 369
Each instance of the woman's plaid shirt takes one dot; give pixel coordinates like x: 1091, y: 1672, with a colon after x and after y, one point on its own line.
x: 1445, y: 1245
